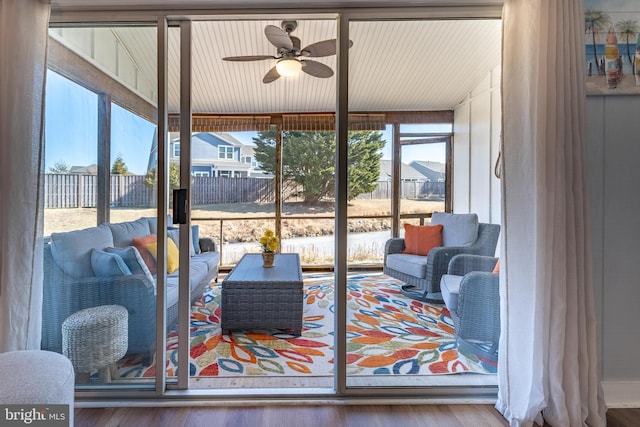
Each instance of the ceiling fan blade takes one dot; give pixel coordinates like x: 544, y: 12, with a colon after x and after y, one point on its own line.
x: 248, y: 58
x: 278, y: 37
x: 272, y: 75
x: 316, y: 69
x: 323, y: 48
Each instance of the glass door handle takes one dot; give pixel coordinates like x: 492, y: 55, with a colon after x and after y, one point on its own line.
x: 180, y: 206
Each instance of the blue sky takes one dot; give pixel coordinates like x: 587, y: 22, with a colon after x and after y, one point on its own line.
x: 613, y: 5
x: 618, y: 10
x: 71, y: 123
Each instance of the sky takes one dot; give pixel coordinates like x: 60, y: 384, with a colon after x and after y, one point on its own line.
x: 71, y: 122
x: 618, y: 10
x: 613, y: 5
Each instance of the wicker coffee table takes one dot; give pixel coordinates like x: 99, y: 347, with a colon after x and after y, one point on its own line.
x: 254, y: 297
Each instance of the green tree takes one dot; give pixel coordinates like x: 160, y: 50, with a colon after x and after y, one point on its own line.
x: 119, y: 167
x: 596, y: 22
x: 629, y: 29
x: 308, y: 158
x: 174, y: 177
x: 59, y: 167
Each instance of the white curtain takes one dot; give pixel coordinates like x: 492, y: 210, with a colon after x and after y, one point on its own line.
x: 548, y: 368
x: 23, y: 47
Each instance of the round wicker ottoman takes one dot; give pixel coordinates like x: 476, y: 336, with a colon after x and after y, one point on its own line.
x: 95, y: 339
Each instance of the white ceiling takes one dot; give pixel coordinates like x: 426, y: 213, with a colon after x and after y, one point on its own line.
x: 393, y: 65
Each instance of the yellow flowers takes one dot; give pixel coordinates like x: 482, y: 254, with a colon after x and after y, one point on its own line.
x: 269, y: 241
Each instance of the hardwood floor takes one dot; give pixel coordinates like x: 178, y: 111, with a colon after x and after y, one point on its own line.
x: 316, y: 415
x: 296, y: 416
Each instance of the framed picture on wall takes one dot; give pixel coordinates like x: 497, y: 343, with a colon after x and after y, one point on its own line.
x: 612, y: 46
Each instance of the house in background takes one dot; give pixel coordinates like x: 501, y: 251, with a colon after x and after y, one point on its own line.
x: 212, y: 155
x: 84, y: 170
x: 434, y: 171
x: 416, y: 171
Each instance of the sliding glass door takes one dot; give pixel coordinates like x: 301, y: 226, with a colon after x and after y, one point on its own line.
x: 403, y: 70
x: 219, y: 145
x: 258, y: 165
x: 100, y: 213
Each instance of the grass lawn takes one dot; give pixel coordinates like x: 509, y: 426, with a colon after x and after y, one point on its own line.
x: 245, y: 230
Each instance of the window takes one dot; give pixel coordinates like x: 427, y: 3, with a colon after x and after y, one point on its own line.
x: 225, y: 152
x: 176, y: 149
x: 201, y: 173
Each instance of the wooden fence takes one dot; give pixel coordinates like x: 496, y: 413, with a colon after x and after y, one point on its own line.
x: 80, y: 191
x: 408, y: 190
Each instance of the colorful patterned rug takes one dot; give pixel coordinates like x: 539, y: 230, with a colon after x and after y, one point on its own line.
x: 387, y: 334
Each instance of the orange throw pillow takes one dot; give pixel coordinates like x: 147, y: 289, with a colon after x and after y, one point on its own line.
x: 496, y: 269
x: 420, y: 239
x: 141, y: 245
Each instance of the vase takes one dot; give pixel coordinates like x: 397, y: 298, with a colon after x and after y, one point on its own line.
x: 268, y: 258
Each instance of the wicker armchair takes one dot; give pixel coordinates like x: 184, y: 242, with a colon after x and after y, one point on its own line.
x: 472, y: 295
x: 423, y: 282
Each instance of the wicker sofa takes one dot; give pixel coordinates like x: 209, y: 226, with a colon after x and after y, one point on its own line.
x: 71, y: 283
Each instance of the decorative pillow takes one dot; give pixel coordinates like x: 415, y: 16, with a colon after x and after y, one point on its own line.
x: 174, y: 234
x: 123, y: 232
x: 458, y: 229
x: 496, y: 269
x: 420, y: 239
x: 140, y: 244
x: 173, y: 260
x: 72, y: 250
x: 105, y: 264
x: 134, y: 261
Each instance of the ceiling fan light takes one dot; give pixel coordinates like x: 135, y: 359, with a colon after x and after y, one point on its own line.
x: 288, y: 67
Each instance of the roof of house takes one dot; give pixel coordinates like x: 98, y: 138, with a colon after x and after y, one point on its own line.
x: 406, y: 171
x: 87, y: 170
x: 434, y: 171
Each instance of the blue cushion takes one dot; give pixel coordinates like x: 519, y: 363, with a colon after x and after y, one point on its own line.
x: 153, y: 224
x: 133, y: 260
x: 197, y: 273
x: 174, y: 234
x: 450, y: 288
x: 209, y: 258
x: 195, y: 238
x: 124, y: 232
x: 71, y: 250
x: 106, y: 264
x: 413, y: 265
x: 457, y: 229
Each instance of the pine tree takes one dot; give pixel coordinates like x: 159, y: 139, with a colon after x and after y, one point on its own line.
x: 308, y: 158
x: 119, y: 167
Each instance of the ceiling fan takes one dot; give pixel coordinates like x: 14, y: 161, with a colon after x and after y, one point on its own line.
x: 290, y: 59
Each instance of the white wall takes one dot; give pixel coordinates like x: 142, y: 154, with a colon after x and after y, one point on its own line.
x: 613, y: 178
x: 477, y: 125
x: 613, y: 174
